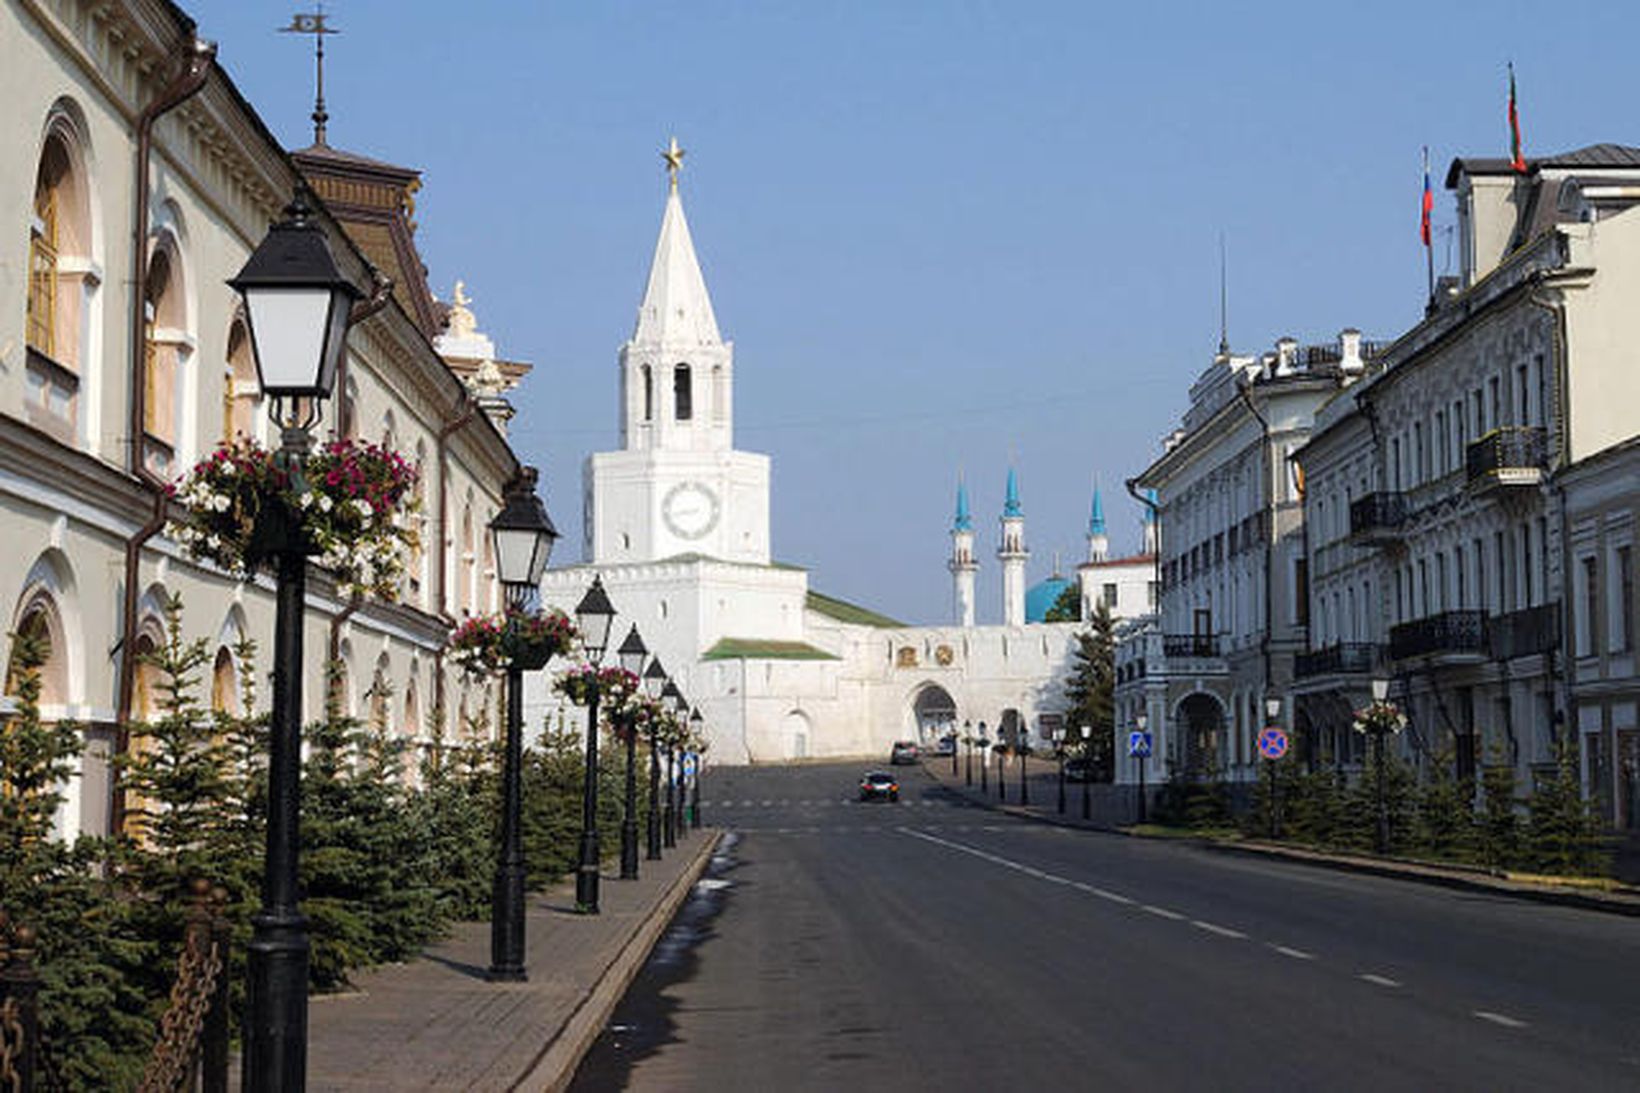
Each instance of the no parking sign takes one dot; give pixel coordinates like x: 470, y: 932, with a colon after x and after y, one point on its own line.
x: 1272, y: 742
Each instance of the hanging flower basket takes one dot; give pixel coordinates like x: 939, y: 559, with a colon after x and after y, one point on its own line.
x: 350, y: 503
x: 486, y: 644
x: 614, y: 685
x: 1379, y: 717
x: 633, y: 718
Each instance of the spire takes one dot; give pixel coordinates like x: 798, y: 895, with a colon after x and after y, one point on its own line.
x: 1010, y: 504
x: 963, y: 522
x: 1224, y: 302
x: 1096, y: 519
x: 676, y: 310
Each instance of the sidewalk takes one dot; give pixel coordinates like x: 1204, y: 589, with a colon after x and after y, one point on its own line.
x: 1112, y: 808
x: 436, y: 1023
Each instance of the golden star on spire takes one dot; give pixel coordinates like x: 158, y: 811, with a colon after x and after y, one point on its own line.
x: 673, y: 155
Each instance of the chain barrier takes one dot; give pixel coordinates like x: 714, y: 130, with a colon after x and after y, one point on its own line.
x: 192, y: 997
x: 19, y: 1020
x: 11, y: 1046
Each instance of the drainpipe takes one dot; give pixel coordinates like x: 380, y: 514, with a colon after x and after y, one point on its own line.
x: 1132, y: 485
x: 197, y: 57
x: 1267, y: 459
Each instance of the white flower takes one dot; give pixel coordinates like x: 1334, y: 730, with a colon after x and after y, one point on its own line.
x: 324, y: 502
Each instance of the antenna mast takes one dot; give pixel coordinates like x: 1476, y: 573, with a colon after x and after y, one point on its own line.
x: 313, y: 22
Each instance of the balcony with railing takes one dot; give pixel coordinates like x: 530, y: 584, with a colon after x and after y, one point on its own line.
x: 1353, y: 658
x: 1190, y: 645
x: 1524, y: 633
x: 1507, y: 457
x: 1450, y: 632
x: 1377, y: 517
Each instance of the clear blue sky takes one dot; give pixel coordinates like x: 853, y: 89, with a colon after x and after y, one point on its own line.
x: 942, y: 236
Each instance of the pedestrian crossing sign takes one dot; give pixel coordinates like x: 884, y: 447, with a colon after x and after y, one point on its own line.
x: 1138, y: 745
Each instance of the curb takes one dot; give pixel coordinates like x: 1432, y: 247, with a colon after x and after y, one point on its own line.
x: 552, y: 1070
x: 1435, y: 876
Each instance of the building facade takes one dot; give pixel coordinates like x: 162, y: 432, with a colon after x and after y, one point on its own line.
x: 139, y: 180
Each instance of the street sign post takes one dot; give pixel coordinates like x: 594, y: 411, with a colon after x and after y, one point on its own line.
x: 1272, y: 744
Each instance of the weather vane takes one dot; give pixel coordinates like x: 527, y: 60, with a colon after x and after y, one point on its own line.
x: 673, y: 155
x: 304, y: 22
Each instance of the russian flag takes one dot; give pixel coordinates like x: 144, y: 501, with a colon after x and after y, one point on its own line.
x: 1428, y: 202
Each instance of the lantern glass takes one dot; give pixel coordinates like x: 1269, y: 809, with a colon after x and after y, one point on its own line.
x: 632, y: 651
x: 654, y: 678
x: 594, y: 615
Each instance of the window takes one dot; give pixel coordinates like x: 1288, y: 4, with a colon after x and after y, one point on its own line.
x: 1395, y: 464
x: 1542, y: 389
x: 1522, y: 406
x: 683, y: 393
x: 240, y: 392
x: 1622, y: 616
x: 1461, y: 593
x: 61, y: 279
x: 1110, y: 596
x: 720, y: 394
x: 1440, y: 582
x: 1591, y: 606
x: 648, y: 393
x: 1501, y: 565
x: 1480, y: 414
x: 164, y: 350
x: 1301, y: 591
x: 1443, y: 443
x: 42, y: 253
x: 1420, y: 469
x: 1497, y: 401
x: 1479, y: 550
x: 1526, y: 564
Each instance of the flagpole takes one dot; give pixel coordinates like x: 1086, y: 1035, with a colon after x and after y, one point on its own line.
x: 1429, y: 247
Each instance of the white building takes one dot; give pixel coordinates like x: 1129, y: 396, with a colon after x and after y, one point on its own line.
x: 124, y: 359
x: 678, y: 530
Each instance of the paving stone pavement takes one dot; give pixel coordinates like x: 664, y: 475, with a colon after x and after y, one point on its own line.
x: 437, y: 1023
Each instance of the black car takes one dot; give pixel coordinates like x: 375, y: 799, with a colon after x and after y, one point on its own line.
x: 877, y: 785
x: 903, y: 751
x: 947, y: 745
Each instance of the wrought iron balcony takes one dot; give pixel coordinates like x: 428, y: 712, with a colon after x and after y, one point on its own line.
x: 1523, y: 633
x: 1448, y: 632
x: 1342, y: 658
x: 1190, y: 645
x: 1512, y: 455
x: 1377, y: 517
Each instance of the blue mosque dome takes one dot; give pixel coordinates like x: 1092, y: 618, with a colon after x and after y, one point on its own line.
x: 1043, y: 595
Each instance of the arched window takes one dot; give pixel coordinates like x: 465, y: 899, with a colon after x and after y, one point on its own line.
x: 347, y: 414
x: 720, y: 394
x: 240, y: 392
x: 381, y: 691
x: 683, y: 392
x: 165, y: 350
x: 61, y: 278
x: 648, y: 393
x: 224, y: 683
x: 487, y: 602
x: 415, y: 572
x: 469, y: 561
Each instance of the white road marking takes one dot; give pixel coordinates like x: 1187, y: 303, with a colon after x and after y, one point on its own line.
x: 745, y: 804
x: 766, y: 804
x: 1160, y: 912
x: 1214, y: 928
x: 1500, y: 1019
x: 1296, y: 954
x: 1380, y: 980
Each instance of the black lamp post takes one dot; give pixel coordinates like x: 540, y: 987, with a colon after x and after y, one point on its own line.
x: 984, y: 760
x: 594, y: 615
x: 1059, y: 749
x: 669, y: 819
x: 523, y: 536
x: 632, y: 654
x: 1087, y: 767
x: 697, y: 726
x: 951, y: 735
x: 297, y: 306
x: 1023, y: 745
x: 654, y: 681
x: 1140, y: 720
x: 1380, y: 693
x: 1272, y: 711
x: 967, y: 754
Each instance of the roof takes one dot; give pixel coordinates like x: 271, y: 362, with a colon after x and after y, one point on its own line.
x: 1041, y: 596
x: 1112, y: 563
x: 764, y: 649
x: 1598, y: 156
x: 843, y: 611
x: 1010, y: 503
x: 1096, y: 520
x: 676, y: 310
x: 964, y: 520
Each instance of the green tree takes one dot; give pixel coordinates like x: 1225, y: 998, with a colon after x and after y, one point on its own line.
x: 1445, y: 812
x: 1498, y: 833
x: 1090, y: 693
x: 1564, y: 830
x: 1067, y: 607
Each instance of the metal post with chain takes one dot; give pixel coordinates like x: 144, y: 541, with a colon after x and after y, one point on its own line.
x: 199, y: 967
x: 19, y: 1015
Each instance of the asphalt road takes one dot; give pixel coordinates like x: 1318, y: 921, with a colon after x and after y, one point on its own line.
x: 935, y: 945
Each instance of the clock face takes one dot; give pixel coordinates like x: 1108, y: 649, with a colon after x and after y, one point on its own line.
x: 690, y: 509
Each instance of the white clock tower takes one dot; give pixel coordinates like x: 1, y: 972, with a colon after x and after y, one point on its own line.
x: 677, y: 486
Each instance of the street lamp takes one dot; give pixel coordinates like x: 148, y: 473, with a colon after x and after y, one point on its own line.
x: 1059, y: 750
x: 654, y: 682
x: 1140, y: 720
x: 1272, y: 712
x: 523, y: 536
x: 669, y: 819
x: 1378, y: 727
x: 697, y: 725
x: 1023, y: 745
x: 297, y: 307
x: 951, y: 734
x: 984, y: 759
x: 632, y: 654
x: 968, y: 745
x: 1087, y: 767
x: 594, y: 616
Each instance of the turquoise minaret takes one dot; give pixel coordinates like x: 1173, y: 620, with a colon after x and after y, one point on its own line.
x: 962, y: 564
x: 1012, y: 554
x: 1098, y: 544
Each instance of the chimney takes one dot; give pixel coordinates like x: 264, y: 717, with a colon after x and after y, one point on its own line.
x: 1286, y: 355
x: 1349, y: 350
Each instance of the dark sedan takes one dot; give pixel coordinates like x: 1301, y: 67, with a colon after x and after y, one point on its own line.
x: 879, y: 785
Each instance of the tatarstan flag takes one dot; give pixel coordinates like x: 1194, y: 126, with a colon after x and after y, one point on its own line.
x: 1516, y: 160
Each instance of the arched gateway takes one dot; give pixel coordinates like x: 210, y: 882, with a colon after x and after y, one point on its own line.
x: 933, y: 712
